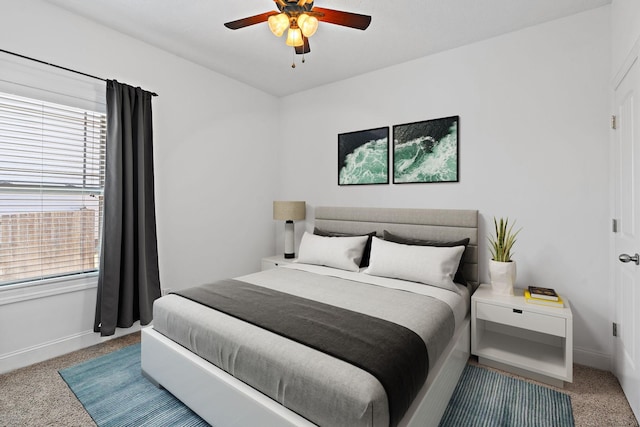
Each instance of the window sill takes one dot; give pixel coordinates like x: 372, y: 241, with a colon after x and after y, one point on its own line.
x: 19, y: 292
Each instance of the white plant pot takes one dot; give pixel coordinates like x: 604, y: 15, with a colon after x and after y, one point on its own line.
x: 503, y: 276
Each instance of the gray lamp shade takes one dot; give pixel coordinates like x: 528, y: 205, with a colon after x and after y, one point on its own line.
x: 289, y: 211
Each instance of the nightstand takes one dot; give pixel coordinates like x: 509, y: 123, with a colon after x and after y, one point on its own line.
x: 531, y: 340
x: 275, y: 261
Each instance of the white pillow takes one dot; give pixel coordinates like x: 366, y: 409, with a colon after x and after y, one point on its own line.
x: 431, y: 265
x: 344, y: 253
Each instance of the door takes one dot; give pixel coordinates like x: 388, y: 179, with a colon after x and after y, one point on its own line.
x: 627, y: 239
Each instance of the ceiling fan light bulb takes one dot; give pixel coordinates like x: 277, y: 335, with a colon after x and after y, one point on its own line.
x: 294, y: 37
x: 278, y: 24
x: 308, y: 24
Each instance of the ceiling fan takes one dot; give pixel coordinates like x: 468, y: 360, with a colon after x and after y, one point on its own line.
x: 301, y: 20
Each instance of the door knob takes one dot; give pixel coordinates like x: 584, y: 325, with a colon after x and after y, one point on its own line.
x: 629, y: 258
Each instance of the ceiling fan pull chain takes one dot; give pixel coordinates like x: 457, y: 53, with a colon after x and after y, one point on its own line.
x: 293, y: 58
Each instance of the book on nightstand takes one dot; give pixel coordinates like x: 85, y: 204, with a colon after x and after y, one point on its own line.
x: 531, y: 300
x: 543, y: 293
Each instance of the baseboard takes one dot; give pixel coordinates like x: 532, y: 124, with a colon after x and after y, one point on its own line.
x: 48, y: 350
x: 592, y: 359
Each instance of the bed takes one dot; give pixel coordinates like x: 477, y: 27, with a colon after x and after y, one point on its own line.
x: 189, y: 360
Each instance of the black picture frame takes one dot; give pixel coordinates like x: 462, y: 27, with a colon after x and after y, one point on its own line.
x: 363, y: 157
x: 426, y: 151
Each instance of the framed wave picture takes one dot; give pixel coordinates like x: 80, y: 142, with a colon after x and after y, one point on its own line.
x: 363, y: 157
x: 426, y: 151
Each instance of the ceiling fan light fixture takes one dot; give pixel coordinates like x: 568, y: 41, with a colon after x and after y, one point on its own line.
x: 294, y: 37
x: 301, y: 18
x: 278, y: 24
x: 308, y: 24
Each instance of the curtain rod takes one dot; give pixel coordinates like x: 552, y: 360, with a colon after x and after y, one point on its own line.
x: 58, y: 66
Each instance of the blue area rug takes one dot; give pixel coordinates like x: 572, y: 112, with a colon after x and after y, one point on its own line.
x: 114, y: 392
x: 485, y: 398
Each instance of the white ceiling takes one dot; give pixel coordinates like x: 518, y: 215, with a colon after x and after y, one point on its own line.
x: 400, y: 31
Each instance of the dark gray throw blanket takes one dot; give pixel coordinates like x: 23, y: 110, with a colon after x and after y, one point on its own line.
x: 393, y: 354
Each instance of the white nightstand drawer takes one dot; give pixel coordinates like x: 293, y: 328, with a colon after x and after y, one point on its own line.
x: 275, y: 262
x: 521, y: 318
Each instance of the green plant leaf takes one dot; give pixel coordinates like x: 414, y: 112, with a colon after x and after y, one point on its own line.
x: 501, y: 245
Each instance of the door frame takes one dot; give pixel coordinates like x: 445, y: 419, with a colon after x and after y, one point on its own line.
x: 631, y: 59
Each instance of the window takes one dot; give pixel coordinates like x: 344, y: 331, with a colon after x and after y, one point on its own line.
x: 51, y: 189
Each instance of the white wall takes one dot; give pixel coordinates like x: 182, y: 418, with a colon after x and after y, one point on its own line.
x: 215, y: 176
x: 534, y: 108
x: 625, y: 17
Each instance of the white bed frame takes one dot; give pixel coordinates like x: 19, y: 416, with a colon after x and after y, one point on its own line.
x: 224, y: 401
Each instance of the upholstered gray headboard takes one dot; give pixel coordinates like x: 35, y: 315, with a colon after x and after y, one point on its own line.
x: 434, y: 224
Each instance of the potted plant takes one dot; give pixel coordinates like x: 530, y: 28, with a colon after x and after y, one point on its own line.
x: 502, y: 269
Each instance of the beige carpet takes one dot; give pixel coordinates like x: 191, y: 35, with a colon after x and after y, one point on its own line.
x: 37, y: 396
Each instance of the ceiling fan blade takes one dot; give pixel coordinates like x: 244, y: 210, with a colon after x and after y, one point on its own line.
x: 346, y: 19
x: 251, y: 20
x: 301, y: 50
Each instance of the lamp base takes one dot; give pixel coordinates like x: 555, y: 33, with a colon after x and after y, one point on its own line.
x: 289, y: 250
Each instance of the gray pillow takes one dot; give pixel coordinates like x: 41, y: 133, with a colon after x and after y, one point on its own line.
x: 459, y: 277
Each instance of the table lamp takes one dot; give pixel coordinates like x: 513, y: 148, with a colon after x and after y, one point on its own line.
x: 289, y: 212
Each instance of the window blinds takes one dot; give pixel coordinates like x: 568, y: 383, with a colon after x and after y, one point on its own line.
x: 51, y: 189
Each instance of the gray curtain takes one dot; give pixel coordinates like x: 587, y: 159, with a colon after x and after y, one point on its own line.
x: 129, y: 280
